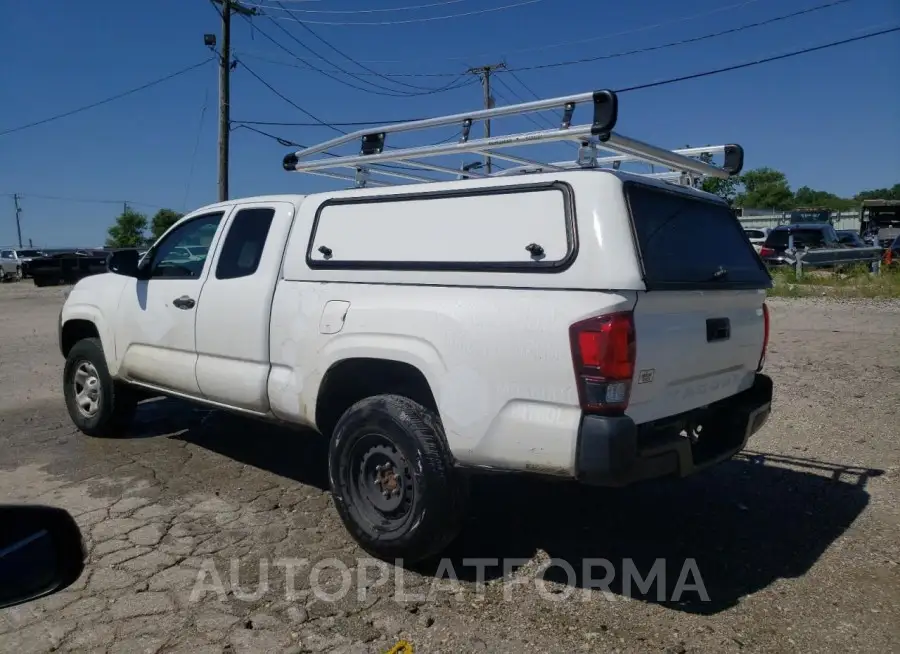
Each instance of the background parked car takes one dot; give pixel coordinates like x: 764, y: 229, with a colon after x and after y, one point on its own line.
x: 10, y: 266
x: 757, y: 236
x: 808, y: 236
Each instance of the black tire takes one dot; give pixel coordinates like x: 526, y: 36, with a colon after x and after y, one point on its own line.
x: 115, y: 402
x: 40, y: 281
x: 411, y: 510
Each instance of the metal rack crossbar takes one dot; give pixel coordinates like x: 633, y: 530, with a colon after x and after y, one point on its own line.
x: 595, y: 138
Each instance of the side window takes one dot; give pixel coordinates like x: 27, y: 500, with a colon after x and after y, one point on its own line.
x: 183, y: 252
x: 244, y: 243
x: 5, y: 254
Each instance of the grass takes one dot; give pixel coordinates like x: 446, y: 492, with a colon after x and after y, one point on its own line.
x: 851, y: 282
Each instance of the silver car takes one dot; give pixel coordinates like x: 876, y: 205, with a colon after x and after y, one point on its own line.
x: 757, y: 236
x: 10, y: 265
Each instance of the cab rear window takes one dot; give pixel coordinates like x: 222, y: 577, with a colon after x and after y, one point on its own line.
x: 687, y: 242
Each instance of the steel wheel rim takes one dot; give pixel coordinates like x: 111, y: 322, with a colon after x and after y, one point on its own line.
x: 86, y: 385
x: 381, y: 482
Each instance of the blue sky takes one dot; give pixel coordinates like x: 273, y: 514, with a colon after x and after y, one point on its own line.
x: 830, y: 120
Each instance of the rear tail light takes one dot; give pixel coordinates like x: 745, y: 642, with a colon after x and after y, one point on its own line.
x: 765, y: 345
x: 766, y: 252
x: 603, y: 354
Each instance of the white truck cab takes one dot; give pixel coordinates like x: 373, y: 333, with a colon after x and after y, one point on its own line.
x: 556, y: 323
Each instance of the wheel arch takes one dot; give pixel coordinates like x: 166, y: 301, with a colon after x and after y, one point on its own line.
x: 85, y: 321
x: 348, y: 380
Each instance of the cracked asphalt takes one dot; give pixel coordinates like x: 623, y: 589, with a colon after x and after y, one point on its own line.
x: 211, y: 533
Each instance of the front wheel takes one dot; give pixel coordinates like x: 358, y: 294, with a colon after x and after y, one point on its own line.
x: 97, y: 404
x: 392, y: 479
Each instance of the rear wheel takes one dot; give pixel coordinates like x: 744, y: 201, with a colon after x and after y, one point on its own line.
x: 97, y: 404
x: 392, y: 479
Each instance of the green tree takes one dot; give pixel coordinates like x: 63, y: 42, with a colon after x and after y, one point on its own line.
x: 808, y: 197
x: 892, y: 193
x: 765, y: 188
x: 724, y: 188
x: 128, y: 231
x: 162, y: 220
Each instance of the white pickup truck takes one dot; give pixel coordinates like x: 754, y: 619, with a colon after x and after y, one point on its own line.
x: 558, y: 323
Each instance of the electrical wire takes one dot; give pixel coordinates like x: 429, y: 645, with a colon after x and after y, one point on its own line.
x: 463, y: 14
x: 352, y: 60
x: 695, y: 39
x: 111, y: 98
x: 683, y: 78
x: 568, y: 43
x: 391, y: 93
x: 62, y: 198
x: 255, y: 55
x: 288, y: 143
x: 318, y: 120
x: 512, y: 74
x: 378, y: 90
x: 296, y: 106
x: 757, y: 62
x: 360, y: 123
x: 362, y: 11
x: 190, y: 178
x: 611, y: 35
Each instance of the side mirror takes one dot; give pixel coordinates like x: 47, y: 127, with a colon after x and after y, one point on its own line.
x: 41, y: 552
x: 124, y: 262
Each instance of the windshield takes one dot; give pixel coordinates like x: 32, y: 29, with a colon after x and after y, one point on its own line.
x: 849, y: 237
x: 29, y: 253
x: 690, y: 242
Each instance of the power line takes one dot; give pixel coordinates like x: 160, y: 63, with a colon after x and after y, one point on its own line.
x: 389, y: 92
x: 757, y: 62
x: 62, y: 198
x: 352, y: 60
x: 523, y: 84
x: 107, y: 100
x: 318, y: 120
x: 568, y: 43
x: 254, y: 55
x: 288, y: 143
x: 695, y: 39
x: 359, y: 123
x: 291, y: 102
x: 187, y: 186
x: 603, y: 37
x: 365, y: 11
x: 463, y: 14
x: 379, y: 90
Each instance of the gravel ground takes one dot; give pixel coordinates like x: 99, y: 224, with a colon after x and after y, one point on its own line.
x: 796, y: 542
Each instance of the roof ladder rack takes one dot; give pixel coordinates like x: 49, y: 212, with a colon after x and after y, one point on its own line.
x: 595, y: 138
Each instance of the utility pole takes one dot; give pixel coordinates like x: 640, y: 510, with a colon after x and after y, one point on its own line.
x: 228, y: 7
x: 18, y: 222
x: 484, y: 72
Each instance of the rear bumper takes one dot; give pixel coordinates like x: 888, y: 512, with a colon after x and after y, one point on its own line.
x: 613, y: 451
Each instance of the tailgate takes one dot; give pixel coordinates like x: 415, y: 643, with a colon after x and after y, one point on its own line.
x: 699, y: 326
x: 693, y: 348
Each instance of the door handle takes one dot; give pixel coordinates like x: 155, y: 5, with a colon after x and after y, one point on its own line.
x: 184, y: 302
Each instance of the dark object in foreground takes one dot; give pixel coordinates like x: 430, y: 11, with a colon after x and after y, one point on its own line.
x: 69, y: 267
x: 41, y: 552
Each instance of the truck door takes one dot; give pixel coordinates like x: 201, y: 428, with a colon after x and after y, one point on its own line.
x: 234, y: 308
x: 156, y: 318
